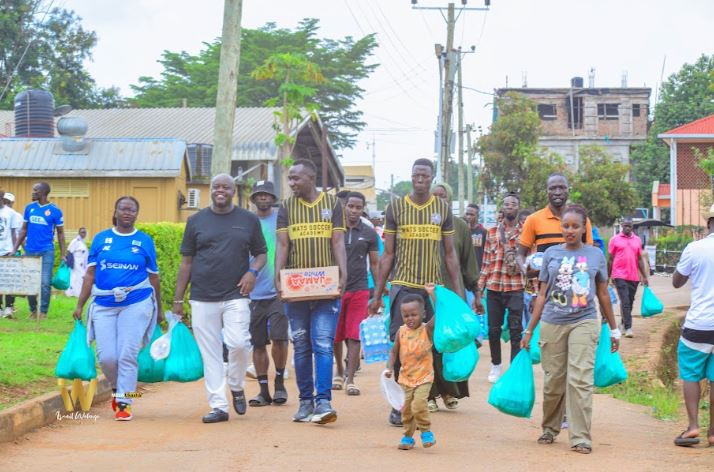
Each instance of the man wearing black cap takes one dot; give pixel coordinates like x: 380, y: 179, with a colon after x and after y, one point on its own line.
x: 268, y: 322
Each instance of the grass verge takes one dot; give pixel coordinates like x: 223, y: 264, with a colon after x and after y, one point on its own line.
x: 664, y: 402
x: 29, y: 353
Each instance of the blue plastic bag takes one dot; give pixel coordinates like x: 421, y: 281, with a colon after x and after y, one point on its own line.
x: 458, y: 366
x: 534, y: 347
x: 151, y: 370
x: 184, y: 363
x: 77, y: 360
x: 60, y: 281
x: 514, y: 392
x: 609, y: 369
x: 613, y: 295
x: 650, y: 303
x: 375, y: 339
x: 456, y: 325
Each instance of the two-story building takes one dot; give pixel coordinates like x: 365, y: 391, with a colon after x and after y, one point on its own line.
x: 614, y: 118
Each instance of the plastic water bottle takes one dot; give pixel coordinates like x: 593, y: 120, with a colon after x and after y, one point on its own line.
x: 375, y: 341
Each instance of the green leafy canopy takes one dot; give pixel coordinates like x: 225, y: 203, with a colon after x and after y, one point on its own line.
x: 342, y: 62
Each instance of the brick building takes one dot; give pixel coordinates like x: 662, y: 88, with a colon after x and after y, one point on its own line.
x: 690, y: 185
x: 614, y: 118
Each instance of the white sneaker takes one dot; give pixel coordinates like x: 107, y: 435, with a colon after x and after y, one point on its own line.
x: 250, y: 372
x: 495, y: 373
x: 628, y: 333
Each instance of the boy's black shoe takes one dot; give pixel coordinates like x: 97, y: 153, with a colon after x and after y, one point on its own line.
x: 239, y: 402
x: 215, y: 416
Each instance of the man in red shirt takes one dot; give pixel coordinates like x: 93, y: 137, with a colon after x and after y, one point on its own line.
x: 626, y: 269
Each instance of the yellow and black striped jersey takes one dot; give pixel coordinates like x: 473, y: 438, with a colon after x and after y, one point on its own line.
x: 418, y: 230
x: 310, y: 227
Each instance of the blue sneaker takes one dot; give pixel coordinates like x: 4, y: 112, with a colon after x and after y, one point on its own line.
x: 406, y: 443
x: 427, y: 439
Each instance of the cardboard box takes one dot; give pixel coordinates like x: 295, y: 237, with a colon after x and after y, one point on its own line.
x: 310, y: 284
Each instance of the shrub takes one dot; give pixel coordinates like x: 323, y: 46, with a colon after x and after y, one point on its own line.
x: 167, y: 239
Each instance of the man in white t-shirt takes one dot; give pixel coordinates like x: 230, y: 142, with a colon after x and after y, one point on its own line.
x: 695, y: 352
x: 8, y: 235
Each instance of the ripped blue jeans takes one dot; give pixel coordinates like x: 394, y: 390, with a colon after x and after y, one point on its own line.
x: 313, y: 324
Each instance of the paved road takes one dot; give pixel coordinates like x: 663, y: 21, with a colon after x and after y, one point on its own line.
x: 167, y: 435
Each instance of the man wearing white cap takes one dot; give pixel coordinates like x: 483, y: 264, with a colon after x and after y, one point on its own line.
x: 695, y: 352
x: 10, y: 223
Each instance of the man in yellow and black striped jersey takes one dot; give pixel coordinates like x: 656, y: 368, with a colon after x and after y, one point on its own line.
x: 415, y: 228
x: 311, y: 230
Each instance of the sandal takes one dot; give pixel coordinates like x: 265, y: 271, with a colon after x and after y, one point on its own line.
x: 546, y: 438
x: 451, y: 403
x: 260, y: 400
x: 352, y: 390
x: 685, y: 442
x: 432, y: 406
x: 280, y: 396
x: 582, y: 449
x: 337, y: 382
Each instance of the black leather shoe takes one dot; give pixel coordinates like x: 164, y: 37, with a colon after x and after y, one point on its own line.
x: 239, y: 402
x: 395, y: 418
x: 215, y: 416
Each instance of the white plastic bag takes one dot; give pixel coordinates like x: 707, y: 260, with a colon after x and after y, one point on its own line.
x: 392, y: 392
x: 161, y: 348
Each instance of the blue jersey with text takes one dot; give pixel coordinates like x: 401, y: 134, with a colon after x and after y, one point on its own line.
x: 41, y: 221
x: 122, y: 260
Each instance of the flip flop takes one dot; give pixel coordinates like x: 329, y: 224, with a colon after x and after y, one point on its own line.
x: 259, y: 400
x: 337, y: 382
x: 685, y: 442
x: 280, y: 396
x: 353, y: 390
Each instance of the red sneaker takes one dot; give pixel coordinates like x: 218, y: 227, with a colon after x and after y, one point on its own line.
x: 114, y: 403
x: 123, y: 412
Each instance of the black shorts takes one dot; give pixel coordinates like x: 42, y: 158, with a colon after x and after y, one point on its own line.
x: 267, y: 322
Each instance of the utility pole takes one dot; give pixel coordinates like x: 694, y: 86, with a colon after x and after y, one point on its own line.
x: 227, y: 88
x: 469, y: 166
x: 447, y: 103
x: 449, y: 58
x: 460, y: 151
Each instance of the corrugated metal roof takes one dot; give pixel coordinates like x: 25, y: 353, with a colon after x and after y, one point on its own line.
x: 701, y: 126
x: 45, y: 157
x: 253, y: 131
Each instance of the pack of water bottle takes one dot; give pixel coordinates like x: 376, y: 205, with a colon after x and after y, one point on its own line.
x: 375, y: 339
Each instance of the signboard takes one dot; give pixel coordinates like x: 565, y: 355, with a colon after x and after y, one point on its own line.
x: 310, y: 284
x: 20, y: 275
x: 488, y: 215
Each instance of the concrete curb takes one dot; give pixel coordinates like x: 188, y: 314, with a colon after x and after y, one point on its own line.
x: 41, y: 411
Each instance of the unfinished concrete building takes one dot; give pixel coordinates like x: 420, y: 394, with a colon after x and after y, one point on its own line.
x: 614, y: 118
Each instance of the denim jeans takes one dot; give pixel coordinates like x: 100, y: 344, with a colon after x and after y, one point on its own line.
x: 48, y: 260
x: 313, y: 324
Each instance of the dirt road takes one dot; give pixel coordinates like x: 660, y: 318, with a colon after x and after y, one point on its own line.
x: 167, y: 434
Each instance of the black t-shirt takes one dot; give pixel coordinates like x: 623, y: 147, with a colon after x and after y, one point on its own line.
x: 221, y: 246
x: 359, y: 242
x: 478, y: 240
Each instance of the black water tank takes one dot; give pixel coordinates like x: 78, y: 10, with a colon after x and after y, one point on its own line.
x: 576, y: 82
x: 34, y: 114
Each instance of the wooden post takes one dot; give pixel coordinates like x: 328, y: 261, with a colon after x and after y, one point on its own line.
x: 227, y: 88
x: 323, y: 153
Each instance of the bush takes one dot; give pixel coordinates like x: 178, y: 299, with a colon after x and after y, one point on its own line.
x: 167, y: 238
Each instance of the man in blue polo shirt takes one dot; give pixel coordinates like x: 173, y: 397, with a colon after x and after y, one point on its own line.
x: 40, y: 220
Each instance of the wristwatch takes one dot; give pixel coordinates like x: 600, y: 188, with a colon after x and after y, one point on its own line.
x: 253, y: 271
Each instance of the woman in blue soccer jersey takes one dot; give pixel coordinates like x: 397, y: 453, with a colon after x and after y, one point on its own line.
x: 123, y: 277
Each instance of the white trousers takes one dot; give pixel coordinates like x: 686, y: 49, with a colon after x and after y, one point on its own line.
x: 233, y: 318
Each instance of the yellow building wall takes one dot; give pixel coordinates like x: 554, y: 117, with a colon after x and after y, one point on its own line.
x: 89, y: 202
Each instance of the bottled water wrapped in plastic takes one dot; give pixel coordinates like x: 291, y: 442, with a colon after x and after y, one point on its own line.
x: 375, y: 340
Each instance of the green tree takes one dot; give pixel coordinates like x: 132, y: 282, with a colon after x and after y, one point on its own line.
x: 297, y: 77
x: 43, y: 47
x: 343, y: 63
x: 400, y: 189
x: 686, y: 96
x: 601, y: 186
x: 513, y: 161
